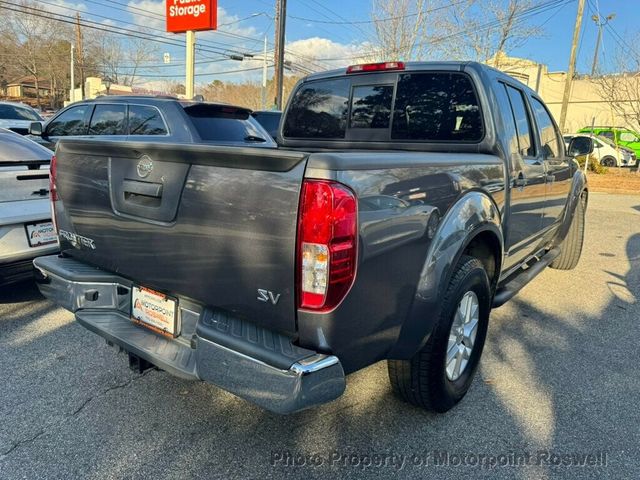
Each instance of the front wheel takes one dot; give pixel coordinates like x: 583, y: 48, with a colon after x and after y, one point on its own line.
x: 609, y: 162
x: 440, y: 374
x: 571, y: 246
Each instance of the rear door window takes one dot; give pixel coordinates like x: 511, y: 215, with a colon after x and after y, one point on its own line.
x: 436, y: 107
x: 145, y: 120
x: 523, y: 122
x: 549, y: 138
x: 319, y: 110
x: 108, y: 120
x: 69, y: 122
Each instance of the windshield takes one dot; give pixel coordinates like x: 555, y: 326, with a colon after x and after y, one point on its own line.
x: 15, y: 112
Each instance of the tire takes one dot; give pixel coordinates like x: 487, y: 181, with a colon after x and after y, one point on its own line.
x: 571, y: 246
x: 424, y: 380
x: 608, y: 162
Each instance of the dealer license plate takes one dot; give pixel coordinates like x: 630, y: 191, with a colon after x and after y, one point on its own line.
x: 154, y: 310
x: 40, y: 234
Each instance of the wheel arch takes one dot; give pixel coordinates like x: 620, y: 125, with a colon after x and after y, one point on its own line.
x: 472, y: 226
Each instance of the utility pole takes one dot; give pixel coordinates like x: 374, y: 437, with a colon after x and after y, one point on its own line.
x: 599, y: 24
x: 191, y: 64
x: 80, y: 54
x: 264, y: 75
x: 572, y: 66
x: 281, y: 17
x: 72, y: 92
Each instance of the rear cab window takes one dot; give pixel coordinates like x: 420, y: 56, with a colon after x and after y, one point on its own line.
x: 431, y: 106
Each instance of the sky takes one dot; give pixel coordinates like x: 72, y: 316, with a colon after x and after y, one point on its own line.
x: 319, y: 34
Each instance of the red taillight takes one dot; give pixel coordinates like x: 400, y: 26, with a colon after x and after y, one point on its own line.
x: 53, y: 190
x: 327, y: 244
x: 375, y: 67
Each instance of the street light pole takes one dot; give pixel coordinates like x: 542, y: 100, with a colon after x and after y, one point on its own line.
x: 191, y: 64
x: 264, y: 75
x: 598, y: 21
x: 281, y: 17
x: 72, y: 92
x: 572, y: 66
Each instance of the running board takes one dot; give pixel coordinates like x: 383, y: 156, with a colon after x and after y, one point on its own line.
x: 518, y: 281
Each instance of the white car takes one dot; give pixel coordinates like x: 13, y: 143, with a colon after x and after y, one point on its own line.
x: 18, y: 117
x: 606, y: 152
x: 26, y: 230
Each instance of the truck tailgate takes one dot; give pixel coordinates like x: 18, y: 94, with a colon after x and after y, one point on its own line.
x: 211, y: 223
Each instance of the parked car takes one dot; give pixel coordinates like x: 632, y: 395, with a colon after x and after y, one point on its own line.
x: 269, y: 119
x: 17, y: 117
x: 26, y: 230
x: 606, y: 152
x: 273, y: 273
x: 618, y: 135
x: 165, y: 119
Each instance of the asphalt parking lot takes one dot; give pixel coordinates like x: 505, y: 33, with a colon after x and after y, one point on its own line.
x: 559, y: 377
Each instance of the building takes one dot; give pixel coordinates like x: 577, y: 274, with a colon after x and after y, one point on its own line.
x: 25, y: 87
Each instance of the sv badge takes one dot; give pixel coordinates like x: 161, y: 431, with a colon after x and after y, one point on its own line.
x: 268, y: 296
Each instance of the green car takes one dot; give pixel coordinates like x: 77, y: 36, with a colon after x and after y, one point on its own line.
x: 620, y: 135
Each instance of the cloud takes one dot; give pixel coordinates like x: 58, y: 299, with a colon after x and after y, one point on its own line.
x: 319, y: 53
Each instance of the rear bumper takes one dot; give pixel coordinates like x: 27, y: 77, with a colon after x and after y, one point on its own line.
x: 253, y: 363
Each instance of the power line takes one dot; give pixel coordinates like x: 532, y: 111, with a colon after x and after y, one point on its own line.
x: 530, y: 12
x: 36, y: 12
x: 379, y: 20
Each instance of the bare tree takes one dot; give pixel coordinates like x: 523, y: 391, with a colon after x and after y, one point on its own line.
x: 400, y: 28
x: 120, y: 58
x: 621, y: 90
x: 485, y: 31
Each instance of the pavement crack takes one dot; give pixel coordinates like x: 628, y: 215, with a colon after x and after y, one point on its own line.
x: 23, y: 442
x: 107, y: 390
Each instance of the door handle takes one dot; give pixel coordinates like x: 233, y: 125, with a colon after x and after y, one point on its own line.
x: 520, y: 182
x: 147, y: 189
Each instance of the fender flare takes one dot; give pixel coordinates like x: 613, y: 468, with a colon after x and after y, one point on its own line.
x: 472, y: 214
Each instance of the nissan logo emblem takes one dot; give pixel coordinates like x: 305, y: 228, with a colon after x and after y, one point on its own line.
x: 145, y: 167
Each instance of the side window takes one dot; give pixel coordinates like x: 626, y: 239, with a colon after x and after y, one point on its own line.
x: 523, y: 122
x: 607, y: 134
x: 628, y: 137
x: 108, y: 120
x: 145, y: 121
x: 548, y: 133
x: 70, y: 122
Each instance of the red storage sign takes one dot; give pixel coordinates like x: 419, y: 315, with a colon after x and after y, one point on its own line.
x: 183, y: 15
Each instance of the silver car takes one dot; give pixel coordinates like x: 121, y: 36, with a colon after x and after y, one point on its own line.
x: 26, y: 230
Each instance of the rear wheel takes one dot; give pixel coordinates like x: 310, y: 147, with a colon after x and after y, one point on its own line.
x: 440, y: 374
x: 571, y: 246
x: 608, y: 162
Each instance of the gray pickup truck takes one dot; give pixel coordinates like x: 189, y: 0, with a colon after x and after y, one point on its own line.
x: 403, y: 202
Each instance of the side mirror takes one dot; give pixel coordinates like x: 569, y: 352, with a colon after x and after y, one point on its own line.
x: 579, y: 146
x: 35, y: 129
